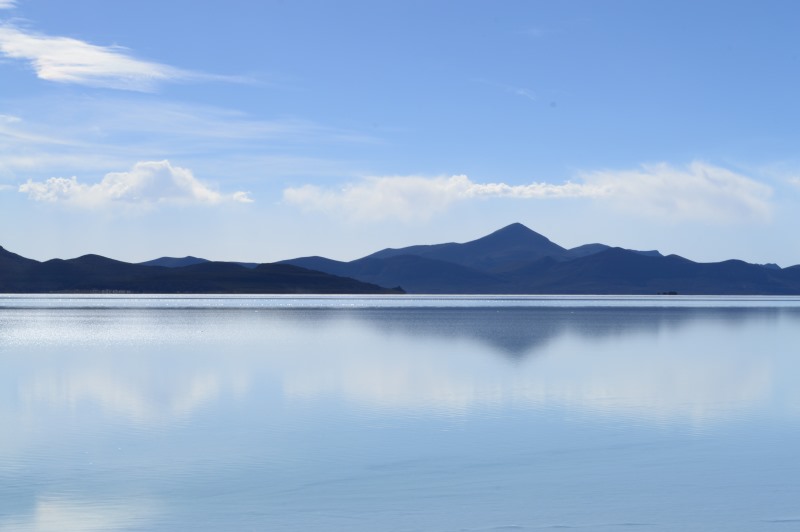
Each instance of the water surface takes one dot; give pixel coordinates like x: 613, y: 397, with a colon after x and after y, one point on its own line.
x: 407, y: 414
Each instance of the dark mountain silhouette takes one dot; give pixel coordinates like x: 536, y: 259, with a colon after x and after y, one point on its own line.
x: 620, y: 271
x: 180, y: 262
x: 415, y: 274
x: 516, y: 260
x: 11, y: 262
x: 586, y: 249
x: 174, y: 262
x: 93, y: 273
x: 512, y: 260
x: 512, y: 244
x: 590, y: 249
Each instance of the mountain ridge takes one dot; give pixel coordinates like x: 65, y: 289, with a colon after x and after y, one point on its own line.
x: 512, y: 260
x: 517, y: 260
x: 97, y: 274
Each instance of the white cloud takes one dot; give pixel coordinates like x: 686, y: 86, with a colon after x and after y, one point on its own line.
x: 68, y: 60
x: 242, y: 197
x: 415, y: 197
x: 8, y: 4
x: 147, y: 184
x: 698, y: 192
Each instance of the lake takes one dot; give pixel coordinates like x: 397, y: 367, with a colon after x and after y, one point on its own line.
x: 399, y: 413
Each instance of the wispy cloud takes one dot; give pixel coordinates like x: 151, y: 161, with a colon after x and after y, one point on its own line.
x: 520, y: 91
x: 516, y: 90
x: 14, y: 135
x: 794, y: 181
x: 147, y: 184
x: 8, y: 4
x: 47, y: 136
x: 698, y: 192
x: 68, y: 60
x: 121, y: 115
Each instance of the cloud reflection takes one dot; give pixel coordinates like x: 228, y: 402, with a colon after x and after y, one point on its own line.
x: 253, y: 412
x: 694, y: 365
x: 138, y: 400
x: 658, y: 364
x: 57, y: 514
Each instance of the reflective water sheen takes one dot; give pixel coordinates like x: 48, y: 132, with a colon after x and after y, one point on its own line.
x: 399, y: 414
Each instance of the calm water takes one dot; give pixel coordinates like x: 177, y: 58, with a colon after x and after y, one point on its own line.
x: 399, y: 414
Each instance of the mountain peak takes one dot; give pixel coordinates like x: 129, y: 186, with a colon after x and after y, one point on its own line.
x: 519, y: 230
x: 516, y: 226
x: 518, y: 234
x: 512, y: 243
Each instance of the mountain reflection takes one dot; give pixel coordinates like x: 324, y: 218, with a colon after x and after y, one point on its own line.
x: 659, y: 364
x: 520, y: 332
x: 157, y: 366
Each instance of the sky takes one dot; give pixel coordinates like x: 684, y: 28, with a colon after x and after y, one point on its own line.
x: 261, y: 131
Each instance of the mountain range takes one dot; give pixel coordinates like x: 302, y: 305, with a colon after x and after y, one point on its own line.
x: 512, y: 260
x: 517, y: 260
x: 96, y: 274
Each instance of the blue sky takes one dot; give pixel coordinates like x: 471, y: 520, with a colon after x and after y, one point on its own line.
x: 268, y: 130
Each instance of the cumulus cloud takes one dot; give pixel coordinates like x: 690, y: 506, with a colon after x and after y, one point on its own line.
x: 68, y: 60
x: 415, y: 197
x: 697, y: 192
x: 148, y: 183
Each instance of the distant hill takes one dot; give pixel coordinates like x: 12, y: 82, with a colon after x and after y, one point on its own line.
x: 414, y: 274
x: 174, y: 262
x: 96, y: 274
x: 620, y: 271
x: 517, y: 260
x: 180, y: 262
